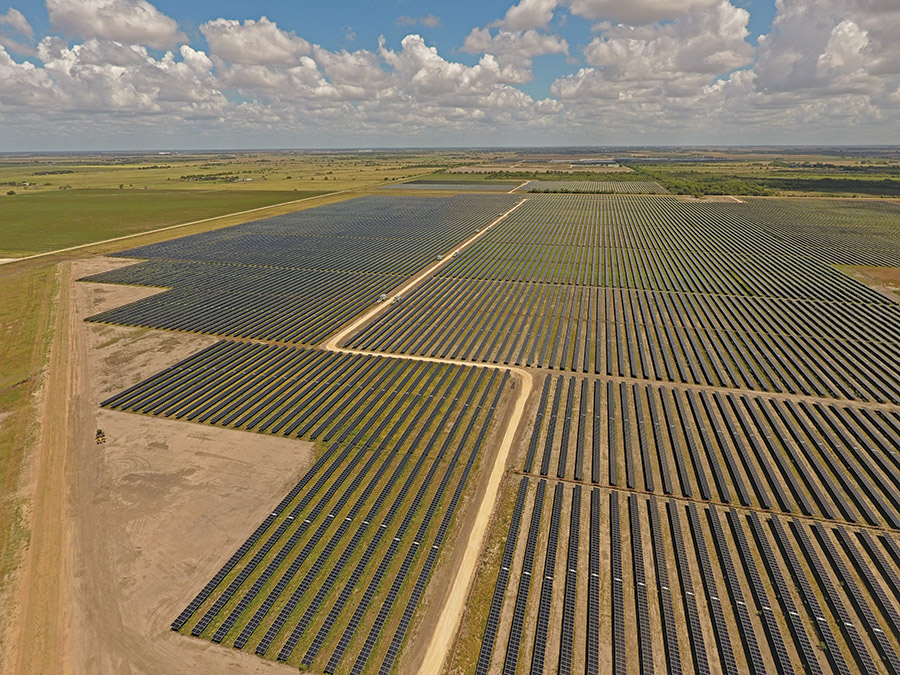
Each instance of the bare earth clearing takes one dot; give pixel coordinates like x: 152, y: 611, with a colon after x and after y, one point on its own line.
x: 885, y: 280
x: 151, y: 514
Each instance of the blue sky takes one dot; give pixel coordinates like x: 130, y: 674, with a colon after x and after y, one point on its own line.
x: 136, y: 73
x: 334, y: 27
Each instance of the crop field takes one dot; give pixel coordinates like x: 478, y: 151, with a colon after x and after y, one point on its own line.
x: 45, y: 221
x: 294, y: 278
x: 50, y: 202
x: 635, y: 187
x: 706, y: 480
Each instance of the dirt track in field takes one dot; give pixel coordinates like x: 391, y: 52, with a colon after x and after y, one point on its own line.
x: 149, y: 516
x: 154, y: 512
x: 447, y: 623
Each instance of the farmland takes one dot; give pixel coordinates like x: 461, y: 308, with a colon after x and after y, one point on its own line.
x: 705, y: 478
x: 50, y: 202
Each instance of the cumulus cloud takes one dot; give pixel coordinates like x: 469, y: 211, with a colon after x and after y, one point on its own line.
x: 637, y: 12
x: 423, y: 71
x: 529, y: 14
x: 15, y: 20
x: 514, y: 49
x: 830, y: 47
x: 429, y: 21
x: 661, y: 61
x: 253, y: 42
x: 16, y: 33
x: 828, y: 69
x: 131, y: 21
x: 682, y: 69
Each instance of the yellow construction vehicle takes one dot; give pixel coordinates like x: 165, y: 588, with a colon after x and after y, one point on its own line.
x: 101, y: 437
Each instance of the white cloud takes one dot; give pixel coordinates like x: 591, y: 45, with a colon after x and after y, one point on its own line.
x: 253, y: 42
x: 17, y: 22
x: 830, y: 47
x: 131, y: 21
x: 23, y: 85
x: 827, y: 72
x: 16, y: 33
x: 678, y: 72
x: 529, y: 14
x: 663, y: 61
x: 423, y: 71
x: 514, y: 49
x: 429, y: 21
x: 636, y: 12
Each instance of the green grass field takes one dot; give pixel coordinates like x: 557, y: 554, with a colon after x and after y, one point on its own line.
x: 45, y: 221
x: 26, y: 320
x: 49, y: 202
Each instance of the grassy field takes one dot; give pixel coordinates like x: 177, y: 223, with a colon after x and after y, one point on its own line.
x: 46, y: 221
x: 26, y: 320
x: 285, y: 171
x: 52, y: 202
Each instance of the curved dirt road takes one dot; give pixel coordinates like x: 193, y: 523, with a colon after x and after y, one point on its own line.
x: 451, y: 613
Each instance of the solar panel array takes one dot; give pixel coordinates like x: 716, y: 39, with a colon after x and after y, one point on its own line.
x: 652, y: 288
x: 291, y: 575
x: 461, y: 186
x: 737, y: 595
x: 710, y: 361
x: 820, y: 458
x: 845, y: 231
x: 721, y: 401
x: 297, y: 277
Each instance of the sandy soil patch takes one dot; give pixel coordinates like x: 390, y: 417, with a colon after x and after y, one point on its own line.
x: 149, y: 516
x: 885, y: 280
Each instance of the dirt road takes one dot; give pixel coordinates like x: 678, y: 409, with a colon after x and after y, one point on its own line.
x: 152, y: 514
x: 438, y: 648
x: 147, y: 517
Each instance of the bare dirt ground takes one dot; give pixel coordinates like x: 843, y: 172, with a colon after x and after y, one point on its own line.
x: 150, y: 515
x: 885, y: 280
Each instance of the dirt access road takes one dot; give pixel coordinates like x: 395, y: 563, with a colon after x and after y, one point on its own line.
x: 438, y: 648
x: 148, y: 516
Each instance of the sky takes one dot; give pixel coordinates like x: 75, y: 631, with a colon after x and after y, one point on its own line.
x: 170, y: 74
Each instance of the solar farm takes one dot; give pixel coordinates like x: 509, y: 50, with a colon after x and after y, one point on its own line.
x: 704, y: 477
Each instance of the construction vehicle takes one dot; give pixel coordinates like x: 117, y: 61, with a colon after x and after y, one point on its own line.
x: 101, y: 437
